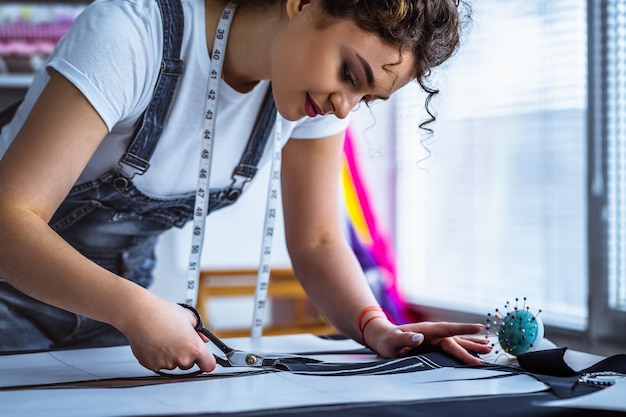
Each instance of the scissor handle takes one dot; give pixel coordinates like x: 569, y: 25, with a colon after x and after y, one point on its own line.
x: 199, y: 327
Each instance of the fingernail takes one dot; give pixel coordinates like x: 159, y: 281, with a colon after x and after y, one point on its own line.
x: 416, y: 338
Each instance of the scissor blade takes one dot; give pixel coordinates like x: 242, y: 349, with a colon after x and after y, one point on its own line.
x: 222, y: 362
x: 241, y: 358
x: 264, y: 360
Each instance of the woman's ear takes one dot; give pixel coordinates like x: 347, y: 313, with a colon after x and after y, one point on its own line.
x: 302, y: 3
x: 295, y: 6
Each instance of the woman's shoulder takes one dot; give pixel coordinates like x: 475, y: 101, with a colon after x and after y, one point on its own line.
x: 111, y: 53
x: 121, y: 14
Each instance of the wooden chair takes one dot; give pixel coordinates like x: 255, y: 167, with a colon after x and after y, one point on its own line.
x: 292, y: 312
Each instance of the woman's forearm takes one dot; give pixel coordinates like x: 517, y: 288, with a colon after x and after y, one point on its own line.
x: 37, y: 261
x: 334, y: 281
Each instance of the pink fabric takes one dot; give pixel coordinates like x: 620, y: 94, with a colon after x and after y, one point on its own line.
x: 381, y: 250
x: 26, y: 48
x: 31, y: 39
x: 49, y: 31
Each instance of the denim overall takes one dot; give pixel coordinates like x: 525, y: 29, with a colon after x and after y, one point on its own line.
x: 114, y: 224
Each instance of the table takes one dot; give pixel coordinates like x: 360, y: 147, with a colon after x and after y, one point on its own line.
x: 109, y: 382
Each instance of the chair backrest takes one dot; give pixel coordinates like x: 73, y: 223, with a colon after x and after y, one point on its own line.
x: 290, y: 308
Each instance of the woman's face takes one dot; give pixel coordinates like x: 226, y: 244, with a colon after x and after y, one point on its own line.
x: 329, y: 70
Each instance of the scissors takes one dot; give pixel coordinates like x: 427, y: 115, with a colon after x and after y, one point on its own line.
x: 240, y: 358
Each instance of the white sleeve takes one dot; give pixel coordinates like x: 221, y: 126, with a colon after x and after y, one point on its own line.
x: 319, y: 127
x: 111, y: 54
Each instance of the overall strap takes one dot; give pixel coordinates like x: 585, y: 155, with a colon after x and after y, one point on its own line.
x: 248, y: 164
x: 142, y: 146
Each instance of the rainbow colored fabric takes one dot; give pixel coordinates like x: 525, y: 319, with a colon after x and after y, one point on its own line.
x: 370, y: 242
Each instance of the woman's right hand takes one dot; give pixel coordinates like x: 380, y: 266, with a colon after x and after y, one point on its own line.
x: 162, y: 337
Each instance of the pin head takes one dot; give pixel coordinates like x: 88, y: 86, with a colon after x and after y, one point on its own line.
x: 519, y: 330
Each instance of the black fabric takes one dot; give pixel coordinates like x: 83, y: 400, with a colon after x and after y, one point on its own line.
x: 546, y: 366
x: 549, y: 367
x: 389, y: 366
x: 546, y: 362
x: 616, y: 363
x: 423, y: 359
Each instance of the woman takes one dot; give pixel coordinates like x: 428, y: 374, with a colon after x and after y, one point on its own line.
x: 82, y: 200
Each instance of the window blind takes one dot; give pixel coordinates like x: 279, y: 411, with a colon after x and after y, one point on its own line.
x: 493, y: 205
x: 616, y: 150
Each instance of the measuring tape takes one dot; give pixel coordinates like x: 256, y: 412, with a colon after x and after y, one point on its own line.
x: 206, y: 156
x: 263, y: 277
x: 202, y: 191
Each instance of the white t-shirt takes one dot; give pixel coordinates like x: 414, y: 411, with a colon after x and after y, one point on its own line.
x: 112, y: 54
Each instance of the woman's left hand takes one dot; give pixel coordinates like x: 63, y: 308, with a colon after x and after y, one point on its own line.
x: 452, y: 338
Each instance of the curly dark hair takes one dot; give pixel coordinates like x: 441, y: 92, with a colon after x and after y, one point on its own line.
x: 430, y: 29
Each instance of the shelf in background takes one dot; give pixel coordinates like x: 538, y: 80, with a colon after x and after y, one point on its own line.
x: 15, y: 80
x: 4, y: 2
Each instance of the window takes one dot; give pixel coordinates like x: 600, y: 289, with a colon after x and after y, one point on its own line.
x: 494, y: 206
x: 607, y: 142
x: 616, y: 131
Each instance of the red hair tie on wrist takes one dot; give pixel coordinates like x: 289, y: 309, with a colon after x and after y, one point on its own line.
x: 381, y: 315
